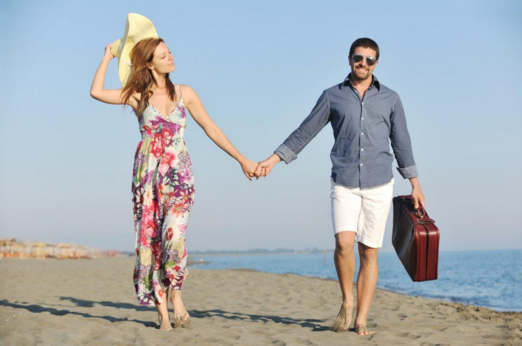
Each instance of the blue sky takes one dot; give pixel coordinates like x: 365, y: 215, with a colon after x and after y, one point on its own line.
x: 66, y: 159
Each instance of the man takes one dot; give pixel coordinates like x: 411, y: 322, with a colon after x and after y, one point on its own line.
x: 365, y: 116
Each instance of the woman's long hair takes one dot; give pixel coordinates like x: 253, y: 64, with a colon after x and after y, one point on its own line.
x: 141, y: 79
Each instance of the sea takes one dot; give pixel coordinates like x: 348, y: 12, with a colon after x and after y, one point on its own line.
x: 490, y: 279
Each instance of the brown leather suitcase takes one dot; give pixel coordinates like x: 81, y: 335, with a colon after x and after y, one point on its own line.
x: 415, y: 239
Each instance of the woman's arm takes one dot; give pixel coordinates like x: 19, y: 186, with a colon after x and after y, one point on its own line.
x: 112, y: 96
x: 201, y: 116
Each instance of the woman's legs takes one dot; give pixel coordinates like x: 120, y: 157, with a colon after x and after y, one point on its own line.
x: 181, y: 316
x: 163, y: 314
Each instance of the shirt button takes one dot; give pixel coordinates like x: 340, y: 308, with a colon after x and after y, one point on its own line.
x: 360, y: 164
x: 362, y: 134
x: 362, y: 104
x: 362, y: 118
x: 362, y: 149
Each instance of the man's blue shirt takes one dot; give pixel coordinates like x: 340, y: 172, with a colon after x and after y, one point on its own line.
x: 363, y: 130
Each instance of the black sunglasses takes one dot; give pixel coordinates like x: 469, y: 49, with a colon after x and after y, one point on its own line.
x: 370, y: 60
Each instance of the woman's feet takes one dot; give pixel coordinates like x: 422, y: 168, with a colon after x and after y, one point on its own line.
x: 183, y: 321
x: 164, y: 322
x: 163, y: 315
x: 344, y: 318
x: 181, y: 316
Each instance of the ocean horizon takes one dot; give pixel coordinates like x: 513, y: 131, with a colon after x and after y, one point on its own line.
x: 487, y: 278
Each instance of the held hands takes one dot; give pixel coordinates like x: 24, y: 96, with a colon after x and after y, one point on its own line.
x: 249, y: 168
x: 265, y: 167
x: 262, y: 169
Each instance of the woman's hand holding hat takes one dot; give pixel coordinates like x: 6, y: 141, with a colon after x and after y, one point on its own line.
x: 108, y: 52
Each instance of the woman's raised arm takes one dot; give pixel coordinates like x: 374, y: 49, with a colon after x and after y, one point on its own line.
x: 112, y: 96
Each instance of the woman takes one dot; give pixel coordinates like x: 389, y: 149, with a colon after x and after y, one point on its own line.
x: 163, y: 184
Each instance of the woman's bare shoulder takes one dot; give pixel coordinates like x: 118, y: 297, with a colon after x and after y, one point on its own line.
x: 188, y: 92
x: 186, y: 88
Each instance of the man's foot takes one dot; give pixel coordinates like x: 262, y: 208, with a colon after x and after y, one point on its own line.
x: 344, y: 318
x: 361, y: 329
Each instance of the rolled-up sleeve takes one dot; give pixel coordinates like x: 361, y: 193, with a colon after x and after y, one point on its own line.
x: 401, y: 143
x: 311, y: 126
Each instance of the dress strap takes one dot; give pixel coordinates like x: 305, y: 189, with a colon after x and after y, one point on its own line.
x: 179, y: 88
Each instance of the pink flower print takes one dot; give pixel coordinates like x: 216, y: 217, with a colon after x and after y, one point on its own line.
x: 163, y: 168
x: 170, y: 234
x: 168, y: 158
x: 185, y: 175
x: 167, y: 161
x: 158, y: 145
x: 144, y: 241
x: 147, y: 215
x: 179, y: 208
x: 183, y: 229
x: 185, y: 196
x: 167, y: 136
x: 150, y: 229
x: 147, y: 130
x: 182, y: 112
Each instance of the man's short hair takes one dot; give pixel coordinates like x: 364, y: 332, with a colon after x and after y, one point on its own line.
x: 365, y: 43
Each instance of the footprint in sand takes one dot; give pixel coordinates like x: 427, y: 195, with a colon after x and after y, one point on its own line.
x: 502, y: 337
x: 305, y: 342
x: 503, y: 326
x: 279, y: 343
x: 409, y: 336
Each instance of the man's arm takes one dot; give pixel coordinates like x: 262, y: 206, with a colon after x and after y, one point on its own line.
x: 295, y: 143
x: 401, y: 145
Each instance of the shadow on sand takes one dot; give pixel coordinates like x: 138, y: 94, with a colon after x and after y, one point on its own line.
x: 313, y: 324
x: 39, y: 309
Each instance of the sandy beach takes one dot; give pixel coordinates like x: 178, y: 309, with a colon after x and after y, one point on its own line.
x: 92, y: 302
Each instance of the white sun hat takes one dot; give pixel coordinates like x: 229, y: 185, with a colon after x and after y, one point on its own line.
x: 137, y: 28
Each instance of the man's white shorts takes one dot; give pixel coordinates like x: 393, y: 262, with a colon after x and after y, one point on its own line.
x: 362, y: 211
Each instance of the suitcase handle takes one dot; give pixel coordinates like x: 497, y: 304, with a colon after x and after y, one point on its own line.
x: 419, y: 213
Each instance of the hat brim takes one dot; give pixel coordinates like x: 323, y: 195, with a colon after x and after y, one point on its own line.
x: 137, y: 28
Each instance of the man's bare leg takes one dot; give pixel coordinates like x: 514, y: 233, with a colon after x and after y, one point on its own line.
x: 366, y: 284
x: 344, y: 258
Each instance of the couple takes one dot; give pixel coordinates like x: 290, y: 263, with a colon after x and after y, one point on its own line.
x: 365, y: 116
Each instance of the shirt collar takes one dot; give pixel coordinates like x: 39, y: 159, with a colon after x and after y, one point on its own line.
x: 375, y: 82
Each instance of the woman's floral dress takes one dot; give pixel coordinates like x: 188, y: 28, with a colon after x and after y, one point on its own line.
x: 163, y: 194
